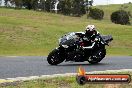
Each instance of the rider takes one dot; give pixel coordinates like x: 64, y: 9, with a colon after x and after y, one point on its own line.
x: 91, y: 37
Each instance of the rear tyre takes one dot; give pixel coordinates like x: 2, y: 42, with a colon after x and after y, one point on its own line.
x: 97, y: 56
x: 54, y: 58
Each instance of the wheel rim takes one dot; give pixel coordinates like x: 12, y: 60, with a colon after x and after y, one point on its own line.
x: 96, y: 58
x: 54, y: 59
x: 91, y: 59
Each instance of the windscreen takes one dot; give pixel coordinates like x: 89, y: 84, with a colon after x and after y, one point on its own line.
x: 68, y: 39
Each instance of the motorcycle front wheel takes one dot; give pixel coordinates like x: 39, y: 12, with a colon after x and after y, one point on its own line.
x: 54, y: 58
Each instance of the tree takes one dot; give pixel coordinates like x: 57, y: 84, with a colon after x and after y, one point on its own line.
x: 17, y: 3
x: 96, y: 13
x: 42, y: 5
x: 120, y: 17
x: 78, y: 8
x: 30, y: 4
x: 65, y: 7
x: 48, y: 5
x: 72, y: 7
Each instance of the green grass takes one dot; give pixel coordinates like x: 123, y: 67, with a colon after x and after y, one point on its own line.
x: 24, y: 32
x: 63, y: 82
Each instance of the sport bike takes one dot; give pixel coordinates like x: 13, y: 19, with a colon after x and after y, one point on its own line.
x: 71, y: 49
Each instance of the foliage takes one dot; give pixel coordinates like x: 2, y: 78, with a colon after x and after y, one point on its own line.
x: 129, y: 13
x: 66, y: 7
x: 78, y: 8
x: 120, y: 17
x: 72, y: 7
x: 96, y: 13
x: 28, y: 4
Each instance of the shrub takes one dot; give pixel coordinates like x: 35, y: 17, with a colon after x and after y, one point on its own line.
x: 120, y: 17
x: 96, y: 13
x: 129, y: 13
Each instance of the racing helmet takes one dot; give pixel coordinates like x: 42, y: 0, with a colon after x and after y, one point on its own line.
x: 90, y: 28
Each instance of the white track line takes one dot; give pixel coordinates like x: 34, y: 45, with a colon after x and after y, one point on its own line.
x: 11, y: 56
x: 59, y: 75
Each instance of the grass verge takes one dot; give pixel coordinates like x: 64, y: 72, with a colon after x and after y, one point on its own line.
x: 24, y: 32
x: 63, y: 82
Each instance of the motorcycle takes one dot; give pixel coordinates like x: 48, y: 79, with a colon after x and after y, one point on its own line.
x: 70, y: 49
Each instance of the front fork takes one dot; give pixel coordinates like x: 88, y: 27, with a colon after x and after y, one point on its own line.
x: 62, y: 51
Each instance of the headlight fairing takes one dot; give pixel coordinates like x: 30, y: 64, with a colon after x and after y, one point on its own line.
x: 65, y: 46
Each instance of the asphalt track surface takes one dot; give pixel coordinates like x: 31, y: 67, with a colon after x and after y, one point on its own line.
x: 24, y: 66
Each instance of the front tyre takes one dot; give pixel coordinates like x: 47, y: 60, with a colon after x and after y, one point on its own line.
x: 54, y: 57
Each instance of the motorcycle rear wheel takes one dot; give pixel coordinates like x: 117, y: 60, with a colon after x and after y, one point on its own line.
x: 97, y: 56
